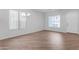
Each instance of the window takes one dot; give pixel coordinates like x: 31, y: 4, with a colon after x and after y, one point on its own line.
x: 17, y: 19
x: 22, y: 20
x: 54, y: 21
x: 13, y: 19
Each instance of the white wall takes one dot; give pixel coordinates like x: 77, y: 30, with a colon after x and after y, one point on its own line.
x: 34, y: 23
x: 69, y: 21
x: 38, y: 21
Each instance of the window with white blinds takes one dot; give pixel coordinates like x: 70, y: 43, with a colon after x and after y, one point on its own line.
x: 54, y: 21
x: 13, y: 19
x: 22, y: 20
x: 17, y: 20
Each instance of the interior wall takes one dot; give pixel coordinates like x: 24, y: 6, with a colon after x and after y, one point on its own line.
x: 69, y: 21
x: 34, y: 23
x: 39, y: 21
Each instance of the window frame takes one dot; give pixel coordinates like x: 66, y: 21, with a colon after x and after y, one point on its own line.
x: 13, y: 24
x: 54, y: 22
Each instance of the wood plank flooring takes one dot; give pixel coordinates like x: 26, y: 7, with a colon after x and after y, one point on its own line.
x: 43, y: 40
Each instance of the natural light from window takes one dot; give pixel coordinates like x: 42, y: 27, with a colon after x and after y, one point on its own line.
x: 17, y: 20
x: 54, y: 21
x: 13, y: 19
x: 22, y: 20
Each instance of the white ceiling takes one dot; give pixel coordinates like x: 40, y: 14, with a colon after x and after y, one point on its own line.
x: 45, y: 10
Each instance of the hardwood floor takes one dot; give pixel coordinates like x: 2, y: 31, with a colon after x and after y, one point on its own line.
x: 43, y: 40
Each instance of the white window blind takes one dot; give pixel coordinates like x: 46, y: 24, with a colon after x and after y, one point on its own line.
x: 22, y: 20
x: 13, y: 19
x: 54, y: 21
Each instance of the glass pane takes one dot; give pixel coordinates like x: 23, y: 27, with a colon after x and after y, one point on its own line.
x: 22, y: 20
x: 54, y: 21
x: 13, y: 19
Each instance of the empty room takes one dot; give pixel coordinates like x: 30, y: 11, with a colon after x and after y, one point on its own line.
x: 39, y: 29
